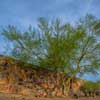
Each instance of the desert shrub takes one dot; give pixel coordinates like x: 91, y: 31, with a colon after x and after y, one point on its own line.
x: 90, y: 88
x: 98, y: 88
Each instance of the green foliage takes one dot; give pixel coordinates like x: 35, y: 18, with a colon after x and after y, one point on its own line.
x: 91, y: 87
x: 56, y: 46
x: 25, y: 45
x: 59, y: 46
x: 71, y: 49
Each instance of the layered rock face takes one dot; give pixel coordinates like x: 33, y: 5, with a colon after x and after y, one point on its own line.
x: 16, y: 78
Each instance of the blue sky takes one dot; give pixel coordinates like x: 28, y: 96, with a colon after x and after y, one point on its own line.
x: 23, y: 13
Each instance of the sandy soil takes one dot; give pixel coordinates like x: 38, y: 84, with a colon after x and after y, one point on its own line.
x: 19, y: 97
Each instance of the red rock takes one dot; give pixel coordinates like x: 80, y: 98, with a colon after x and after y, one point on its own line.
x: 3, y: 81
x: 25, y: 92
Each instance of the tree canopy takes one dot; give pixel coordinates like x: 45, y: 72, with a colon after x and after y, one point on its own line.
x: 59, y: 46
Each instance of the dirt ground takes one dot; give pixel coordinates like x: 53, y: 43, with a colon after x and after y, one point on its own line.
x: 19, y: 97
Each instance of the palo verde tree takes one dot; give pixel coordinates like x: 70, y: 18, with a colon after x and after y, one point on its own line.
x: 25, y: 44
x: 59, y: 47
x: 56, y: 46
x: 72, y: 50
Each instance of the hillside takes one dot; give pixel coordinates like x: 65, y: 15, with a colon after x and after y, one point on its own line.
x: 20, y: 78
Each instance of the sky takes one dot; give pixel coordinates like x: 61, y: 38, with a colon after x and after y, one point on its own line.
x: 23, y: 13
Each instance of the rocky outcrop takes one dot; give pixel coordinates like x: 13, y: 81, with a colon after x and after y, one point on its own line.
x: 17, y: 77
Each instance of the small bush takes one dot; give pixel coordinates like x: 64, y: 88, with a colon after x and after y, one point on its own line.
x: 91, y: 88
